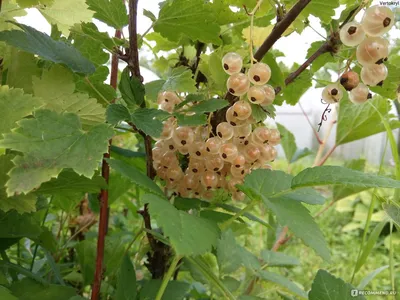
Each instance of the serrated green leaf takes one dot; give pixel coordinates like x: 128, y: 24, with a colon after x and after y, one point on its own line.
x: 301, y: 153
x: 282, y: 281
x: 126, y: 281
x: 149, y: 120
x: 90, y: 31
x: 273, y: 187
x: 208, y: 106
x: 36, y: 42
x: 15, y: 105
x: 322, y: 59
x: 272, y: 258
x: 29, y: 289
x: 131, y: 88
x: 189, y: 234
x: 5, y: 294
x: 149, y: 14
x: 327, y: 175
x: 137, y: 177
x: 153, y: 88
x: 66, y: 13
x: 117, y: 113
x: 324, y: 10
x: 50, y: 142
x: 393, y: 211
x: 258, y: 113
x: 192, y: 18
x: 191, y: 120
x: 91, y: 49
x: 292, y: 93
x: 14, y: 225
x: 30, y: 3
x: 276, y: 72
x: 162, y: 44
x: 180, y: 79
x: 340, y: 192
x: 111, y: 12
x: 359, y: 121
x: 288, y: 142
x: 176, y: 290
x: 326, y: 286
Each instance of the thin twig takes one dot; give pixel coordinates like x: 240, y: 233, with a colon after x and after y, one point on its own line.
x: 327, y: 155
x: 281, y: 239
x: 309, y: 122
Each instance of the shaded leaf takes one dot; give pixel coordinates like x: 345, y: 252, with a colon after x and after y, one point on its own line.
x: 131, y: 88
x: 339, y: 191
x: 176, y: 290
x: 149, y: 120
x: 282, y: 281
x: 29, y: 289
x: 272, y: 258
x: 126, y: 281
x: 180, y: 79
x: 288, y: 142
x: 111, y: 12
x: 208, y: 106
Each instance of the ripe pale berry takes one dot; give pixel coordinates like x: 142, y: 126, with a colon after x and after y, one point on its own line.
x: 183, y: 136
x: 209, y: 179
x: 332, y: 93
x: 241, y: 110
x: 242, y: 132
x: 196, y: 167
x: 352, y: 34
x: 373, y: 50
x: 197, y: 150
x: 168, y: 97
x: 228, y: 152
x: 374, y: 75
x: 214, y: 163
x: 239, y: 161
x: 232, y: 119
x: 360, y: 94
x: 169, y: 145
x: 232, y: 185
x: 274, y: 137
x: 269, y: 93
x: 259, y: 73
x: 191, y: 181
x: 225, y: 131
x: 174, y: 174
x: 238, y: 172
x: 238, y: 84
x: 261, y: 135
x: 268, y: 153
x: 349, y: 80
x: 251, y: 152
x: 378, y: 20
x: 213, y: 144
x: 232, y: 63
x: 256, y: 94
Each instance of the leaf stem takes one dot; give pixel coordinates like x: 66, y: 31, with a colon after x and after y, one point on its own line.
x: 167, y: 277
x: 240, y: 213
x: 96, y: 90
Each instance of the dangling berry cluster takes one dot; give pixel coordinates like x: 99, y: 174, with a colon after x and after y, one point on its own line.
x: 372, y: 52
x: 219, y: 161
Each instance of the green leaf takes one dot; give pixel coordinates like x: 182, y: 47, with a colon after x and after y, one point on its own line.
x: 324, y: 10
x: 189, y: 234
x: 301, y: 153
x: 14, y: 106
x: 137, y: 177
x: 91, y: 49
x: 56, y: 88
x: 28, y: 289
x: 367, y: 248
x: 162, y: 44
x: 191, y: 120
x: 21, y: 203
x: 131, y: 88
x: 22, y: 225
x: 292, y: 93
x: 389, y: 87
x: 66, y: 13
x: 359, y: 121
x: 326, y: 175
x: 90, y: 31
x: 180, y: 79
x: 193, y: 18
x: 231, y: 256
x: 283, y: 281
x: 5, y: 294
x: 322, y: 59
x: 288, y: 142
x: 117, y: 113
x: 36, y: 42
x: 208, y: 106
x: 126, y: 281
x: 277, y: 78
x: 30, y: 3
x: 326, y: 286
x: 340, y: 191
x: 272, y: 258
x: 364, y: 282
x: 111, y: 12
x: 393, y: 211
x: 258, y: 113
x: 50, y: 142
x: 149, y: 120
x: 273, y: 187
x: 176, y: 290
x: 153, y: 88
x: 149, y: 14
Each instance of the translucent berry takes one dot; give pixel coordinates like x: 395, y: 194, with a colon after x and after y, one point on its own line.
x: 232, y: 63
x: 261, y: 135
x: 225, y: 131
x: 274, y: 137
x: 239, y: 161
x: 174, y: 174
x: 378, y: 20
x: 183, y: 136
x: 233, y: 183
x: 374, y: 75
x: 209, y: 179
x: 241, y: 110
x: 228, y: 152
x: 332, y: 93
x: 196, y: 167
x: 169, y: 160
x: 238, y: 196
x: 373, y: 50
x: 238, y: 84
x: 197, y: 150
x: 360, y: 94
x: 168, y: 97
x: 268, y: 153
x: 213, y: 144
x: 259, y: 73
x: 251, y: 152
x: 167, y: 106
x: 270, y: 95
x: 232, y: 119
x: 238, y: 172
x: 214, y: 163
x: 256, y: 94
x: 352, y: 34
x: 242, y: 132
x: 349, y: 80
x: 158, y: 152
x: 169, y: 146
x: 191, y: 181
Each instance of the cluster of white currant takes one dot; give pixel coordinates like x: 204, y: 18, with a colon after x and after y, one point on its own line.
x: 219, y: 161
x: 372, y: 52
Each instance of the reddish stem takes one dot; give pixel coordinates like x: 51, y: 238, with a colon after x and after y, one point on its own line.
x: 103, y: 197
x: 309, y: 122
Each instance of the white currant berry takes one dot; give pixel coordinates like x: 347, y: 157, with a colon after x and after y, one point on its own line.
x: 269, y: 95
x: 209, y: 179
x: 225, y: 131
x: 168, y: 97
x: 238, y: 84
x: 268, y: 153
x: 214, y: 163
x: 191, y: 181
x: 232, y: 183
x: 174, y: 174
x: 374, y: 75
x: 232, y: 119
x: 228, y: 152
x: 183, y: 136
x: 238, y: 196
x: 213, y: 144
x: 378, y: 20
x: 162, y: 172
x: 261, y: 135
x: 239, y: 161
x: 207, y: 194
x: 274, y: 137
x: 360, y: 94
x: 332, y: 93
x: 169, y: 160
x: 232, y: 63
x: 196, y: 167
x: 352, y: 34
x: 349, y: 80
x: 241, y: 110
x: 259, y: 73
x: 373, y: 50
x: 239, y: 173
x: 169, y: 145
x: 251, y: 152
x: 242, y: 132
x: 197, y: 150
x: 256, y: 94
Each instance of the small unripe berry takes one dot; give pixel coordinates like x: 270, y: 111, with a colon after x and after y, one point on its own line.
x: 232, y: 63
x: 259, y: 73
x: 349, y: 80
